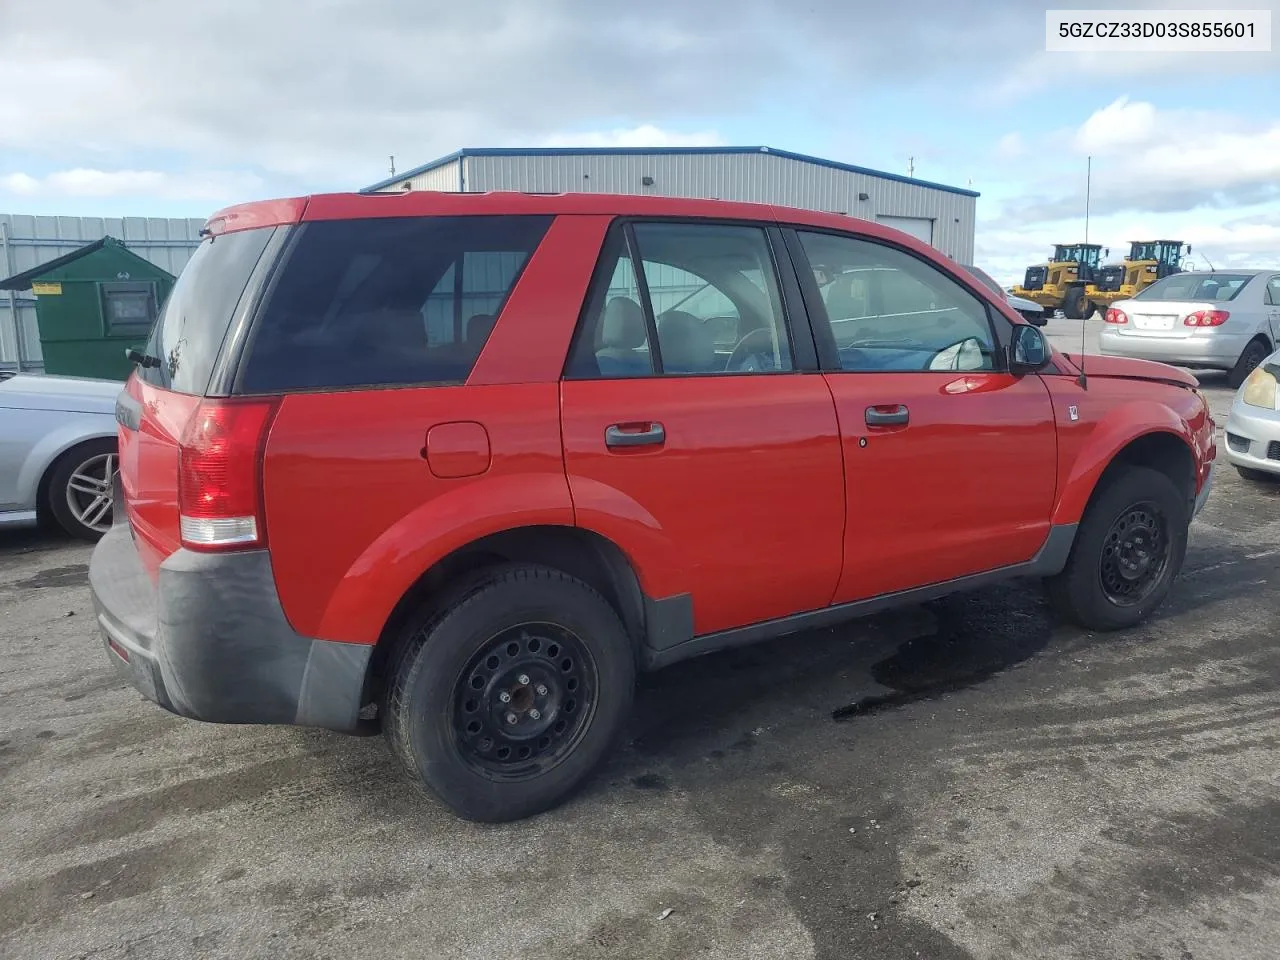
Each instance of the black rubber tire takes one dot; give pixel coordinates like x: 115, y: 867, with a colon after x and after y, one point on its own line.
x: 1254, y: 353
x: 56, y: 488
x: 1076, y: 594
x: 435, y: 649
x: 1257, y: 476
x: 1073, y: 304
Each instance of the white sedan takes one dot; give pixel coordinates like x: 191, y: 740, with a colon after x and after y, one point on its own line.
x: 1210, y: 320
x: 1253, y: 426
x: 57, y: 452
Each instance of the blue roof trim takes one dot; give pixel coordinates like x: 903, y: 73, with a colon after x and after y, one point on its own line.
x: 655, y: 151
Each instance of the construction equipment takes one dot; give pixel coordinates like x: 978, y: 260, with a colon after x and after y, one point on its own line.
x: 1147, y: 262
x: 1063, y: 282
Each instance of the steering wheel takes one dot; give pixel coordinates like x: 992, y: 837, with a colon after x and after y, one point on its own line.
x: 740, y: 351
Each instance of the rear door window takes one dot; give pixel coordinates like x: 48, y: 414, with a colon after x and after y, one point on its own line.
x: 387, y: 302
x: 188, y: 334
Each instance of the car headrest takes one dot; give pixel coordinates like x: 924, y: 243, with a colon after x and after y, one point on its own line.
x: 622, y: 326
x: 686, y: 343
x: 479, y: 327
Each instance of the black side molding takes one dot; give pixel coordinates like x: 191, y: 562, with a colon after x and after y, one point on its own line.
x: 1050, y: 559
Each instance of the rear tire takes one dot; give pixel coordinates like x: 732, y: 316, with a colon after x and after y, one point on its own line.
x: 1254, y: 354
x: 1128, y: 551
x: 1257, y: 476
x: 79, y: 484
x: 524, y: 642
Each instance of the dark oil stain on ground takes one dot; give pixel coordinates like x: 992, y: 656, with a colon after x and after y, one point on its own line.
x: 73, y: 575
x: 979, y: 635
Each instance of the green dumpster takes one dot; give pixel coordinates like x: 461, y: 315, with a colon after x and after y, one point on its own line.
x: 91, y: 305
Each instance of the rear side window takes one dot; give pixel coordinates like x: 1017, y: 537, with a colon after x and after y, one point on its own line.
x: 387, y: 302
x: 188, y: 335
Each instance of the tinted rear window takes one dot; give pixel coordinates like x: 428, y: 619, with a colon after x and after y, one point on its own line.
x: 188, y: 334
x: 387, y: 302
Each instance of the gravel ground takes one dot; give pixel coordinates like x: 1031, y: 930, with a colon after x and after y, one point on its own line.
x: 962, y: 780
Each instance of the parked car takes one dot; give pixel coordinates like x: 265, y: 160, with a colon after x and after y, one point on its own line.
x: 459, y: 465
x: 1214, y: 320
x: 1031, y: 311
x: 1253, y: 426
x: 57, y: 451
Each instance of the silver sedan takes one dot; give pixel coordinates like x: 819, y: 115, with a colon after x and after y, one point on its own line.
x: 1253, y: 426
x: 57, y: 451
x: 1209, y: 320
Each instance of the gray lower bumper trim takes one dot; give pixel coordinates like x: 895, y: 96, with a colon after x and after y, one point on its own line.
x: 211, y: 641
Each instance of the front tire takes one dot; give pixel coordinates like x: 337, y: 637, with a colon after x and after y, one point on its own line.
x: 79, y: 492
x: 505, y: 702
x: 1073, y: 304
x: 1253, y: 354
x: 1257, y: 476
x: 1128, y: 550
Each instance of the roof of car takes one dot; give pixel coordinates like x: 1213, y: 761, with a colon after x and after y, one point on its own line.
x: 1232, y: 271
x: 426, y: 203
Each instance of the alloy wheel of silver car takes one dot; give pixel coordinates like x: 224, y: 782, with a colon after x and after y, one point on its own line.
x: 89, y: 494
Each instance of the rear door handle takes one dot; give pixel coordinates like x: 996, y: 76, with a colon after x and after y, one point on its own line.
x: 886, y: 416
x: 635, y: 435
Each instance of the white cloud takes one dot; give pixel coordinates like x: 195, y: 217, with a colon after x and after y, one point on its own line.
x: 152, y: 184
x: 1119, y: 124
x: 1010, y: 146
x: 642, y: 136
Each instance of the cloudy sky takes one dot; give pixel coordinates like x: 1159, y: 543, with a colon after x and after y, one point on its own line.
x: 174, y: 109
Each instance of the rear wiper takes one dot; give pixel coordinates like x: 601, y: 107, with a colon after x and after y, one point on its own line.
x: 143, y: 360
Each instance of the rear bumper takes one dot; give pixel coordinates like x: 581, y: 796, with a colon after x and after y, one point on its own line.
x: 1218, y: 351
x: 211, y: 642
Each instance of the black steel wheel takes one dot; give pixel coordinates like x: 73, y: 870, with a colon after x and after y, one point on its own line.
x: 506, y: 694
x: 1134, y: 554
x: 523, y: 701
x: 1128, y: 549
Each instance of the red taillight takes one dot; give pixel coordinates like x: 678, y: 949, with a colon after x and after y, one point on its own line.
x: 1206, y: 318
x: 1116, y: 316
x: 133, y: 388
x: 220, y: 474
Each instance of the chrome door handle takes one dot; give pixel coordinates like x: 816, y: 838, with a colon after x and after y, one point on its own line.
x: 634, y: 435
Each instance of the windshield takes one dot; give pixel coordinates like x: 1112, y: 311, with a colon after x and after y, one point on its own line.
x: 1215, y: 287
x: 986, y: 279
x: 1077, y: 253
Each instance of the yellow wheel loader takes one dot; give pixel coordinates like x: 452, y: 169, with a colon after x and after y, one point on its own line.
x: 1063, y: 282
x: 1147, y: 262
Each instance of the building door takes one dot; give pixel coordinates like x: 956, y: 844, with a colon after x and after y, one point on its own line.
x: 919, y: 227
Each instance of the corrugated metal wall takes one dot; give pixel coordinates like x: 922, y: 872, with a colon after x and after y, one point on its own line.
x: 754, y: 177
x: 27, y: 241
x: 441, y: 178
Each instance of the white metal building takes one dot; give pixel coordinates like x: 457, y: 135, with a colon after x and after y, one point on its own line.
x: 940, y: 215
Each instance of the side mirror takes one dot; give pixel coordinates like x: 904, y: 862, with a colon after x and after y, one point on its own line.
x: 1037, y: 319
x: 1028, y: 351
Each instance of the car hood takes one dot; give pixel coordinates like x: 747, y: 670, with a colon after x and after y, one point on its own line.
x: 1126, y: 368
x: 28, y: 391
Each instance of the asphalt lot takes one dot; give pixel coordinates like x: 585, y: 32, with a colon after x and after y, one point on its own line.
x: 996, y: 786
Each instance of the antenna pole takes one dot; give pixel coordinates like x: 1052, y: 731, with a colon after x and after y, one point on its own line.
x: 1088, y: 183
x: 911, y: 166
x: 1084, y: 319
x: 393, y: 164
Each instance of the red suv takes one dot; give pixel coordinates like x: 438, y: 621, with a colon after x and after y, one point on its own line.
x: 459, y: 466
